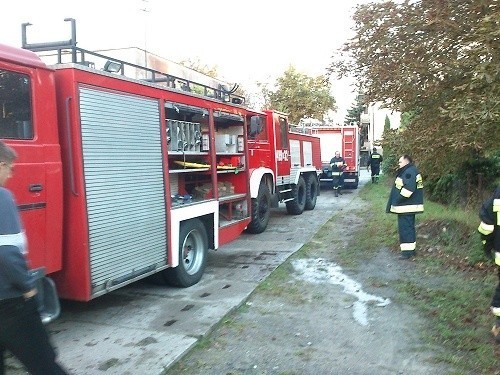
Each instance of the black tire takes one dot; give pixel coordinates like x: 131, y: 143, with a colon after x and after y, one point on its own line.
x: 356, y: 184
x: 297, y: 205
x: 261, y: 210
x: 193, y: 249
x: 312, y: 188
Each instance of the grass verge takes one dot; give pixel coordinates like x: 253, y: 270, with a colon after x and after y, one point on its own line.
x: 451, y: 284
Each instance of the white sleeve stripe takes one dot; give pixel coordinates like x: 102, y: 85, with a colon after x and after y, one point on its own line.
x: 406, y: 193
x: 18, y: 240
x: 496, y: 205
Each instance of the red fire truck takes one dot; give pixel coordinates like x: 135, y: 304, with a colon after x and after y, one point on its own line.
x: 119, y: 179
x: 344, y: 139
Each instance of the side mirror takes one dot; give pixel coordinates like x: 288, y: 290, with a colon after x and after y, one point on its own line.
x: 255, y: 126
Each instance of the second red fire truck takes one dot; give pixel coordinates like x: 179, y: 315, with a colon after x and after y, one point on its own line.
x: 344, y: 139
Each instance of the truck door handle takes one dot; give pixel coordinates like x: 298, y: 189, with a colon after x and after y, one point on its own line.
x: 34, y: 188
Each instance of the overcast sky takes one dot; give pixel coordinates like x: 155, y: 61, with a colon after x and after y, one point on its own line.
x: 248, y: 41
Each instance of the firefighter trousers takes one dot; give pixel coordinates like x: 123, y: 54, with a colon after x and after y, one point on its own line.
x: 338, y: 180
x: 23, y: 334
x: 406, y: 230
x: 375, y: 173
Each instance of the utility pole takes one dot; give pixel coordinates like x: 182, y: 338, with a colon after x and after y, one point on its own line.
x: 373, y: 125
x: 144, y: 7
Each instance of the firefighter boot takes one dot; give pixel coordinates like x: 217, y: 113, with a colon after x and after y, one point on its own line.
x: 496, y: 331
x: 407, y: 254
x: 373, y: 180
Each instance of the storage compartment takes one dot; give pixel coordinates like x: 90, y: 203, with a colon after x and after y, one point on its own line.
x: 193, y: 146
x: 232, y: 209
x: 226, y: 140
x: 184, y: 136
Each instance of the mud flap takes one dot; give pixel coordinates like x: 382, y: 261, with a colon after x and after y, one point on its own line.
x: 47, y: 299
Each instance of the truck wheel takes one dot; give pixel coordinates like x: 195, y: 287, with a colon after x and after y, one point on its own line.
x: 193, y: 249
x: 261, y: 210
x: 312, y: 187
x: 297, y: 205
x: 355, y: 186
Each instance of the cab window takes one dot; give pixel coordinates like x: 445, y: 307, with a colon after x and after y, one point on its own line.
x: 257, y: 129
x: 15, y: 106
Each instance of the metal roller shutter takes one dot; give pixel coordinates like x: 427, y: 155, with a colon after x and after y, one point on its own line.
x: 124, y: 186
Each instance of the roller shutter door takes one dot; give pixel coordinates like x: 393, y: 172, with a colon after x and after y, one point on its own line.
x: 124, y: 186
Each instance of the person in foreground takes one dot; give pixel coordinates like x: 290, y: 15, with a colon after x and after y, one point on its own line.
x: 406, y: 200
x: 21, y: 329
x: 490, y: 236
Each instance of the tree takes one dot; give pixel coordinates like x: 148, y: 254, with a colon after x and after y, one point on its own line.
x: 407, y: 118
x: 211, y: 71
x: 196, y: 64
x: 300, y: 96
x: 387, y: 123
x: 354, y: 113
x: 440, y: 61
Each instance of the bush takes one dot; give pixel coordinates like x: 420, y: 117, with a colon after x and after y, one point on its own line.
x: 390, y: 164
x: 393, y: 149
x: 481, y: 172
x: 443, y: 190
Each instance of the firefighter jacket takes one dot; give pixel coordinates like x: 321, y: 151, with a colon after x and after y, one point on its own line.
x: 490, y: 224
x: 375, y: 160
x: 407, y: 194
x: 15, y: 279
x: 338, y: 165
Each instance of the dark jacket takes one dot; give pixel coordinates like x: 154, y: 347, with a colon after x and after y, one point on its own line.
x: 335, y: 167
x: 407, y: 194
x: 375, y: 160
x: 490, y: 224
x: 14, y: 277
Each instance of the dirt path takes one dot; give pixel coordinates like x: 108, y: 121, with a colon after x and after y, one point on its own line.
x: 322, y: 319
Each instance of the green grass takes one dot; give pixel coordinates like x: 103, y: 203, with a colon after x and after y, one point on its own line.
x: 451, y: 284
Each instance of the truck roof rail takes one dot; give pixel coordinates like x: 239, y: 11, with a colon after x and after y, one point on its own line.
x: 113, y: 65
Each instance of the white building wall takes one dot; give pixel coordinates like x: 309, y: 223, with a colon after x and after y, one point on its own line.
x: 376, y: 116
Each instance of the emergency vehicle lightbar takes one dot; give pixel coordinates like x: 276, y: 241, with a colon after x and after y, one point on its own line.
x: 78, y: 54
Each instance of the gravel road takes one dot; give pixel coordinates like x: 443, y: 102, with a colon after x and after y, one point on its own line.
x: 322, y: 319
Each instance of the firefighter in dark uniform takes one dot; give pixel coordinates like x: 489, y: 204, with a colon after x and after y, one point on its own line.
x: 406, y: 200
x: 374, y: 164
x: 337, y: 163
x: 490, y: 235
